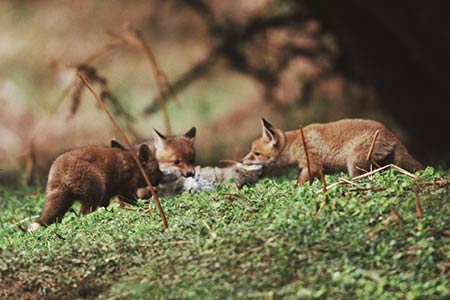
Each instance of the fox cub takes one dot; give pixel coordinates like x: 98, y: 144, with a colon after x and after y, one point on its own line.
x: 336, y: 146
x: 93, y: 175
x: 205, y: 178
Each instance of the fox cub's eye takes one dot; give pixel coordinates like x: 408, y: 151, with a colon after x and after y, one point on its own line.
x: 257, y: 153
x: 177, y: 161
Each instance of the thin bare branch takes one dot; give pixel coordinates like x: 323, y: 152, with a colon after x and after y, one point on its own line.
x: 136, y: 39
x: 419, y: 209
x: 305, y: 148
x: 130, y: 148
x: 372, y: 146
x: 368, y: 174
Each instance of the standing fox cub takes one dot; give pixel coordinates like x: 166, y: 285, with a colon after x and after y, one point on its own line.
x: 336, y: 146
x: 93, y: 175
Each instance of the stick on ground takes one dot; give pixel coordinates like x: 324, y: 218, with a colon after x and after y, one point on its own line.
x: 130, y: 149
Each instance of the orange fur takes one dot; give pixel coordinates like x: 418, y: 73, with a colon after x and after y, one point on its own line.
x: 93, y: 175
x: 336, y: 146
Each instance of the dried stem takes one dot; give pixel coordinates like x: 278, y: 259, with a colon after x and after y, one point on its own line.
x: 324, y: 183
x: 419, y: 209
x: 391, y: 166
x: 19, y: 225
x: 137, y: 40
x: 372, y: 146
x: 305, y: 148
x: 324, y: 188
x: 30, y: 165
x: 102, y: 51
x: 130, y: 148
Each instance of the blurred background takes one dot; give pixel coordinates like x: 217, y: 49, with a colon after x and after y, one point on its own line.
x: 222, y: 65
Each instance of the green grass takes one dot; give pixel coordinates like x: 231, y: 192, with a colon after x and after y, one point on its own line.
x: 262, y: 242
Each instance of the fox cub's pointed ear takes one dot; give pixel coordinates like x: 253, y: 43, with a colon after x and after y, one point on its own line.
x: 268, y: 133
x: 116, y: 144
x: 159, y: 138
x: 191, y: 133
x: 145, y: 154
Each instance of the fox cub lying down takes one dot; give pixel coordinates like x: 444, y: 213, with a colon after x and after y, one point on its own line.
x: 205, y: 178
x: 93, y: 175
x: 337, y: 146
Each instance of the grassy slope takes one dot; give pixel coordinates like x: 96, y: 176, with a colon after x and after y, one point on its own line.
x: 264, y: 242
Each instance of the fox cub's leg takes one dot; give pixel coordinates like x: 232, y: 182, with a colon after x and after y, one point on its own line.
x: 92, y: 198
x: 57, y: 203
x: 315, y: 169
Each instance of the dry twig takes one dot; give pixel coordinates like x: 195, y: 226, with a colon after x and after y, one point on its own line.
x: 319, y: 208
x: 305, y: 148
x: 130, y: 148
x: 135, y: 38
x: 419, y: 209
x: 394, y: 217
x: 389, y: 166
x: 372, y: 146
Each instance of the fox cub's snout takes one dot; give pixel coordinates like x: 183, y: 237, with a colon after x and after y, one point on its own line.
x: 265, y: 150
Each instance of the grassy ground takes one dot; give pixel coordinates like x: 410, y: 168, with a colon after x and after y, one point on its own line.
x: 263, y: 242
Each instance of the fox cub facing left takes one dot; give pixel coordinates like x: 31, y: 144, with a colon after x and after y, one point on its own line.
x: 93, y: 175
x: 337, y: 146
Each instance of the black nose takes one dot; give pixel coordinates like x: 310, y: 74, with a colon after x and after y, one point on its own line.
x: 190, y: 174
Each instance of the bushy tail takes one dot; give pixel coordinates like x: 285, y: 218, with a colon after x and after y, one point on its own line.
x: 57, y: 203
x: 404, y: 160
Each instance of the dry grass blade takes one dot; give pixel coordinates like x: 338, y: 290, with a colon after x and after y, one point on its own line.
x: 343, y: 180
x: 368, y: 174
x: 76, y: 99
x: 30, y: 165
x: 59, y: 236
x: 319, y: 208
x: 19, y: 225
x: 130, y: 147
x: 372, y: 146
x: 325, y: 203
x: 305, y: 148
x: 324, y: 183
x: 211, y: 232
x: 394, y: 217
x: 419, y: 209
x: 102, y: 51
x: 136, y: 39
x: 397, y: 168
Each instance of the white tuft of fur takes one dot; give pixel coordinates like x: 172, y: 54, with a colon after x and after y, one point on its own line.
x: 34, y: 226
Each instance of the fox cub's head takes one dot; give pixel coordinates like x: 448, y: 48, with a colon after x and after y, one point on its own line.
x: 175, y: 153
x: 150, y: 164
x: 267, y: 148
x: 147, y: 159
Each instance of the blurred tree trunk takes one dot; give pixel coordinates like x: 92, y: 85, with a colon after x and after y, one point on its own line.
x: 402, y: 50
